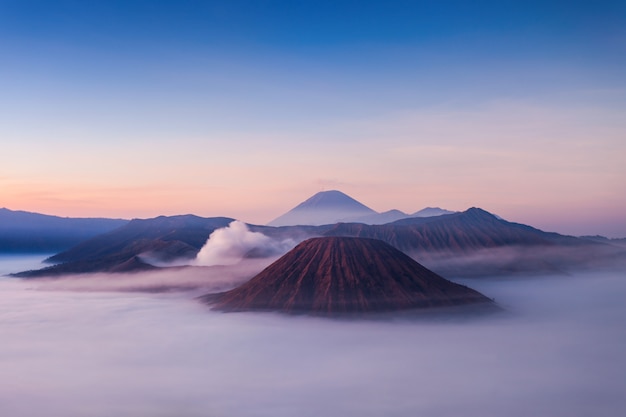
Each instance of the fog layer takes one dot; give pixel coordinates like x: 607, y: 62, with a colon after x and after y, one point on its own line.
x: 12, y: 263
x: 558, y: 353
x: 200, y: 279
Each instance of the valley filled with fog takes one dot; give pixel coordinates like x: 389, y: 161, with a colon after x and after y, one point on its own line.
x: 70, y: 350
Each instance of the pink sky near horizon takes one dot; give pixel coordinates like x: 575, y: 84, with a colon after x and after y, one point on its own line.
x: 557, y: 168
x: 244, y: 110
x: 591, y: 220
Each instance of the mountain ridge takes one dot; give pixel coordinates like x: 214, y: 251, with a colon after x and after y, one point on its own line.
x: 24, y: 231
x: 447, y: 237
x: 430, y: 212
x: 165, y: 237
x: 333, y: 206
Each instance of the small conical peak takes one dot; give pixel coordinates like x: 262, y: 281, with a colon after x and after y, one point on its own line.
x: 338, y: 275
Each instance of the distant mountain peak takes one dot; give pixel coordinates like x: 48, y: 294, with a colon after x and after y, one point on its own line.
x: 325, y: 207
x: 431, y: 212
x: 332, y: 198
x: 480, y: 213
x: 334, y: 206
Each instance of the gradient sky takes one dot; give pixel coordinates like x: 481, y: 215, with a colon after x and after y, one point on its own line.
x: 246, y: 108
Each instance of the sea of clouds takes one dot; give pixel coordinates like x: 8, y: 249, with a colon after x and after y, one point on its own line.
x: 559, y: 352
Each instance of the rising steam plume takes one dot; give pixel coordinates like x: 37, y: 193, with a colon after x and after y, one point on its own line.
x: 229, y: 245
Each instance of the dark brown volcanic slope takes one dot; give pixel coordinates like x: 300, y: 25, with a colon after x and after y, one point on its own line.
x: 335, y: 275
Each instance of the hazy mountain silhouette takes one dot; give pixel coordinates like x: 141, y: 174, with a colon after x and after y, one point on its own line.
x: 329, y: 207
x: 379, y: 218
x: 461, y: 232
x: 476, y: 243
x: 325, y: 207
x: 471, y: 230
x: 338, y: 275
x: 430, y: 212
x: 163, y: 238
x: 441, y: 242
x: 602, y: 239
x: 22, y: 231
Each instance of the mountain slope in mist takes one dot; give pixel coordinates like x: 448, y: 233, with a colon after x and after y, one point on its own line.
x: 476, y: 243
x: 126, y: 248
x: 463, y: 232
x: 395, y: 215
x: 338, y: 275
x: 22, y: 231
x: 469, y: 243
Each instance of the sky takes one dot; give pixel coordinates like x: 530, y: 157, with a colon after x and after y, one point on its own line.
x: 246, y: 108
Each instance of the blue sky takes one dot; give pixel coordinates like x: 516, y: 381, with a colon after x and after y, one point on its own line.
x: 246, y: 108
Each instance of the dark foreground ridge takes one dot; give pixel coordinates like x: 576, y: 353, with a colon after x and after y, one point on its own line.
x: 344, y: 275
